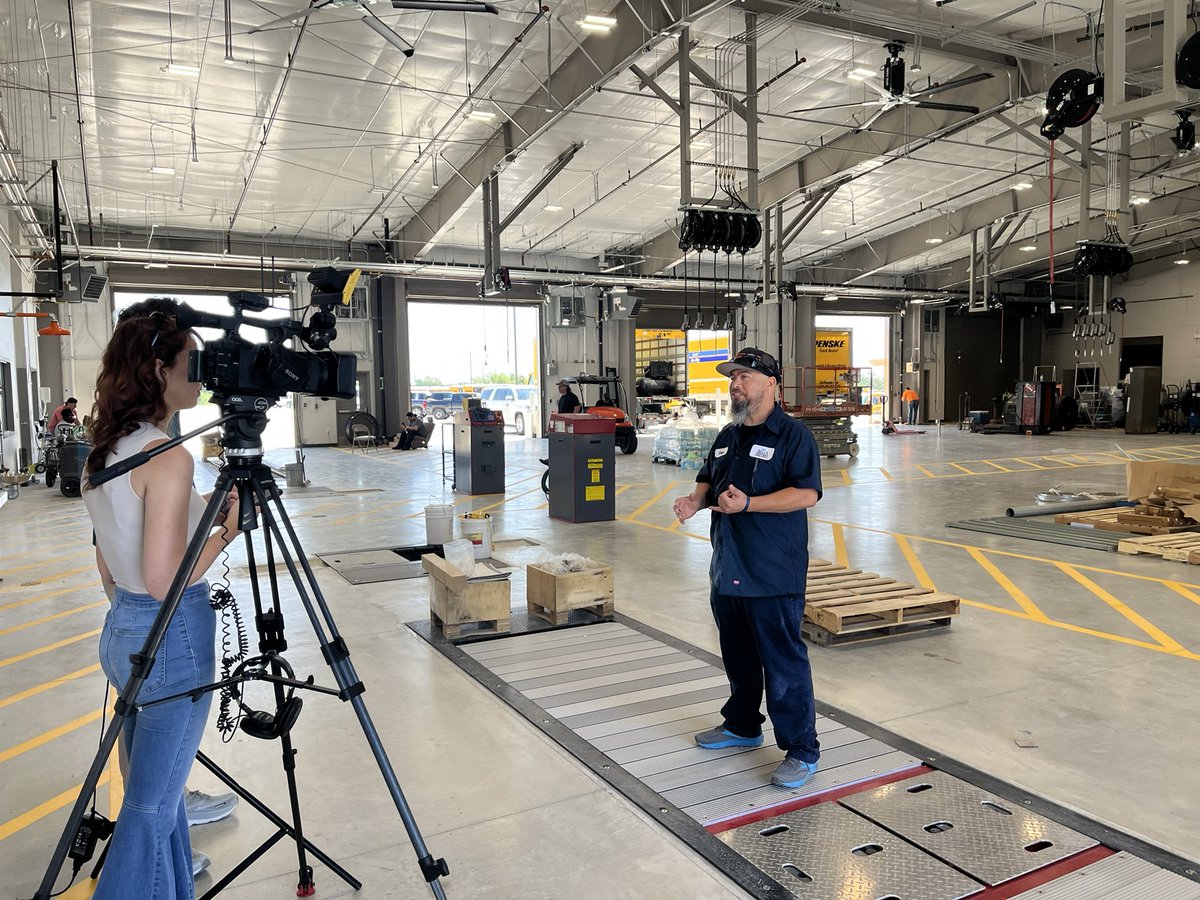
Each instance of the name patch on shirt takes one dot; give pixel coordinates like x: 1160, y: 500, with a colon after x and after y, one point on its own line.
x: 719, y: 452
x: 758, y: 451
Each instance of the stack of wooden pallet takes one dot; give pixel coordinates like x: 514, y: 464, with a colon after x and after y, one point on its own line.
x: 850, y: 606
x: 1123, y: 519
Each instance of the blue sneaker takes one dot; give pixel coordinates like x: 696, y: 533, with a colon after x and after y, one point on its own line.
x: 719, y: 738
x: 793, y: 772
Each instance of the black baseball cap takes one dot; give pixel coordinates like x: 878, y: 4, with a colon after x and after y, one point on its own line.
x: 753, y: 359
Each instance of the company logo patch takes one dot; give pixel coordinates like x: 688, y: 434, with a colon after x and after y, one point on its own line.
x: 719, y: 452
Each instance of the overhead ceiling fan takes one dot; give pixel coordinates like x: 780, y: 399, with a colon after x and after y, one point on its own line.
x: 373, y: 21
x: 893, y: 92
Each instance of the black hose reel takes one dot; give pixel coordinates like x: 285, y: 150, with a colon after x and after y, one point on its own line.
x: 719, y: 230
x: 1073, y: 99
x: 1102, y: 259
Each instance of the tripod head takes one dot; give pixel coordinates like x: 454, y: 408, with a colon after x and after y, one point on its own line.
x: 244, y: 418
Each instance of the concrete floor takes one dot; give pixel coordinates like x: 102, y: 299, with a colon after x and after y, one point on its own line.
x: 1095, y: 654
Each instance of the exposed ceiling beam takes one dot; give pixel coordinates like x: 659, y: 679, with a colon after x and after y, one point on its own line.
x: 596, y: 61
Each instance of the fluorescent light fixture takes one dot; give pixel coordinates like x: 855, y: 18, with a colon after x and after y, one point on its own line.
x: 604, y: 21
x: 933, y: 240
x: 162, y: 170
x: 733, y: 293
x: 1022, y: 186
x: 827, y: 231
x: 481, y: 115
x: 859, y: 74
x: 155, y: 265
x: 1139, y: 201
x: 917, y: 300
x: 552, y: 207
x: 1182, y: 261
x: 830, y: 298
x: 174, y: 68
x: 1027, y: 248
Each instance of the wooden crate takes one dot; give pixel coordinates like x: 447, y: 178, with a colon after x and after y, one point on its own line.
x: 552, y: 597
x: 455, y: 602
x: 1118, y: 519
x: 1183, y: 547
x: 849, y: 606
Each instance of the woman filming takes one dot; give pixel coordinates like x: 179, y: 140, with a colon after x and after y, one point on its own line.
x: 143, y: 521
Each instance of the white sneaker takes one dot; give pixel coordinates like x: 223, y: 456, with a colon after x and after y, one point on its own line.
x: 200, y: 862
x: 203, y: 808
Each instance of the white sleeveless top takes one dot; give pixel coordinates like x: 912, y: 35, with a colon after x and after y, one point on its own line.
x: 118, y: 514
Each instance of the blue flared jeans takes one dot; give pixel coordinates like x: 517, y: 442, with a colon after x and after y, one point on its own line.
x: 150, y: 855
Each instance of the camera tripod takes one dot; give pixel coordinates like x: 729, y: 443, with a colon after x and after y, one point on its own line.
x: 243, y: 420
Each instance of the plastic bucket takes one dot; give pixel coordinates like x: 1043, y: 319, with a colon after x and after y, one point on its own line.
x: 479, y: 532
x: 439, y: 523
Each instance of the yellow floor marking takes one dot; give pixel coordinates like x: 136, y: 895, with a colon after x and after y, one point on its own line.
x: 995, y: 465
x: 963, y: 468
x: 688, y: 534
x: 58, y: 615
x: 1027, y: 462
x: 1014, y: 555
x: 45, y: 596
x: 47, y: 736
x: 886, y: 474
x: 928, y: 474
x: 47, y: 685
x: 59, y: 576
x: 839, y: 546
x: 1168, y: 642
x: 65, y: 642
x: 56, y: 560
x: 846, y: 477
x: 1003, y: 580
x: 82, y: 890
x: 1180, y: 589
x: 922, y: 576
x: 1079, y: 629
x: 649, y: 503
x: 39, y: 812
x: 506, y: 499
x: 623, y: 488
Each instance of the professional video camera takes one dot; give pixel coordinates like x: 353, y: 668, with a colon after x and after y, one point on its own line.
x: 232, y: 365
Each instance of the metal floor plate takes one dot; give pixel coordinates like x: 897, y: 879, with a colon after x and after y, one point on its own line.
x: 990, y: 838
x: 372, y: 566
x: 641, y: 700
x: 1118, y: 877
x: 826, y: 852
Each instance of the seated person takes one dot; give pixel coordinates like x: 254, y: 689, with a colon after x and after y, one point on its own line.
x: 408, y: 431
x: 65, y: 413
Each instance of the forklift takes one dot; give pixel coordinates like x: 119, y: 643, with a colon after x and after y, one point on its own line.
x: 610, y: 386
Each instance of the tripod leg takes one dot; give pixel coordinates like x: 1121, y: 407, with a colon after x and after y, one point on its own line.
x: 143, y: 662
x: 337, y: 655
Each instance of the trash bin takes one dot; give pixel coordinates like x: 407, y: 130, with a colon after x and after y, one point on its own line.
x: 71, y: 458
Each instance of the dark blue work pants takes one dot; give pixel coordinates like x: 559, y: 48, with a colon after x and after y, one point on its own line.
x: 760, y: 642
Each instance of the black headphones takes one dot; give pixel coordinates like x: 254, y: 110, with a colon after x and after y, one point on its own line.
x: 260, y: 723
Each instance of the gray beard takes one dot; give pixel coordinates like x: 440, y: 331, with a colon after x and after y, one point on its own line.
x: 739, y: 410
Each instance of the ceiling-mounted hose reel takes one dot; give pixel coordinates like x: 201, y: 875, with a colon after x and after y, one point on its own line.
x: 724, y: 230
x: 1102, y: 258
x: 1071, y: 101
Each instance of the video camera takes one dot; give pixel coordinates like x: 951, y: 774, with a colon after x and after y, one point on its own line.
x: 232, y: 365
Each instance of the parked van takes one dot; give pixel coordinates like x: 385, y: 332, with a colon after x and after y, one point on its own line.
x: 518, y: 403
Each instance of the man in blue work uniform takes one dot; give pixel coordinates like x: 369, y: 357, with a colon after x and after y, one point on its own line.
x: 762, y: 474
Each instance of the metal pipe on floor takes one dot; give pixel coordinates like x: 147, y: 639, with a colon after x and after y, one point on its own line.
x: 1049, y: 509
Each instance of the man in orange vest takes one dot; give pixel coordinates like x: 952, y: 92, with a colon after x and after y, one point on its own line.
x: 912, y: 402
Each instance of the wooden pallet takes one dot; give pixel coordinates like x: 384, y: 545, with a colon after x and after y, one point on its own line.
x: 1118, y: 519
x: 852, y: 606
x: 1183, y: 547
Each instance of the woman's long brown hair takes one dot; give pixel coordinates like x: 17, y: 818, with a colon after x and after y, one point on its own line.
x: 128, y: 388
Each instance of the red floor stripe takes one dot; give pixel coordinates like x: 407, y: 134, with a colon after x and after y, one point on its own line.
x: 837, y: 793
x: 1045, y: 875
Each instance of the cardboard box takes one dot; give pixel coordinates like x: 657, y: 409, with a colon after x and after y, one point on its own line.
x: 552, y: 597
x: 455, y: 600
x: 1143, y: 476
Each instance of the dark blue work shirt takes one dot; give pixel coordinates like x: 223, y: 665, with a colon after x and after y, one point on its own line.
x: 761, y: 554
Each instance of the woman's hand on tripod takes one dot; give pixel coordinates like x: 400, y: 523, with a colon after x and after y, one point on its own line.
x: 228, y: 519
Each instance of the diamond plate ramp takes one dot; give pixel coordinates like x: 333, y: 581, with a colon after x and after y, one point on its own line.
x: 990, y: 838
x: 1119, y: 877
x: 826, y: 852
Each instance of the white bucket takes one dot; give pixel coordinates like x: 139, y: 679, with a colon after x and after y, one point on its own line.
x: 439, y: 523
x: 478, y: 532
